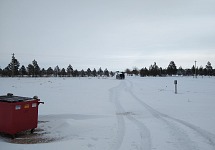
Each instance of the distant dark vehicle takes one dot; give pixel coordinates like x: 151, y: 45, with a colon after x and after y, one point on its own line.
x: 120, y: 75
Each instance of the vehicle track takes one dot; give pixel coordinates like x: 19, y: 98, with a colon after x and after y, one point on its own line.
x: 179, y: 134
x: 114, y: 94
x: 144, y: 132
x: 183, y: 141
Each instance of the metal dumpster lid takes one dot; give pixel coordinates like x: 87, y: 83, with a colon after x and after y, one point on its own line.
x: 12, y: 99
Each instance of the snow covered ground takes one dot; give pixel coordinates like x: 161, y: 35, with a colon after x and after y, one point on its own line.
x: 108, y: 114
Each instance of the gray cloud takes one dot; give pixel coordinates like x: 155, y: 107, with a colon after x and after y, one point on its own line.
x: 82, y: 33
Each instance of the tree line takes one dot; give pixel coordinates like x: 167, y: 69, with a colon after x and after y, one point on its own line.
x: 172, y: 69
x: 34, y: 70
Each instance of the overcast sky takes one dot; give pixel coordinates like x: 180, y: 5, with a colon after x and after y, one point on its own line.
x: 113, y: 34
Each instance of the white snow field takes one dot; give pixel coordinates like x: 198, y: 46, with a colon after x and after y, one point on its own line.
x: 108, y: 114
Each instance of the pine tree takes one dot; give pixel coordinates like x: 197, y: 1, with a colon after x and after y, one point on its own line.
x: 106, y: 72
x: 111, y: 74
x: 135, y: 71
x: 100, y: 72
x: 128, y: 71
x: 193, y: 70
x: 56, y: 71
x: 201, y: 71
x: 172, y: 69
x: 6, y: 72
x: 50, y: 71
x: 89, y: 72
x: 69, y: 70
x: 143, y: 72
x: 154, y: 70
x: 36, y: 68
x: 22, y: 71
x: 43, y: 72
x: 13, y: 67
x: 180, y: 71
x: 94, y: 73
x: 75, y: 73
x: 30, y: 69
x: 63, y: 72
x: 209, y: 68
x: 82, y: 73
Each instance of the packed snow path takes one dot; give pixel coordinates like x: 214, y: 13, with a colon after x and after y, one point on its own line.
x: 179, y: 134
x: 109, y: 114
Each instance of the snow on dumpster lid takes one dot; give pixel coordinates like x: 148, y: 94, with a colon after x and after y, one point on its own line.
x: 12, y: 99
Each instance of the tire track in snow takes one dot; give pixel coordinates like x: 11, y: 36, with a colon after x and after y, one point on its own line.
x: 205, y: 134
x: 182, y: 137
x: 120, y: 120
x: 144, y: 132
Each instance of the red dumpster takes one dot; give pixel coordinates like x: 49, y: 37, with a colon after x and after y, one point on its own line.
x: 18, y: 113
